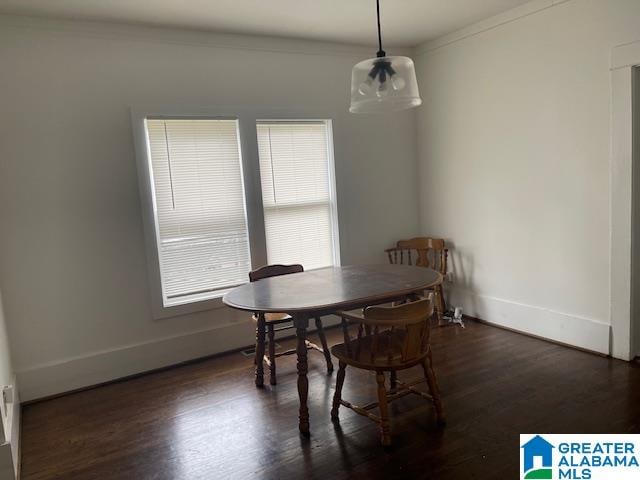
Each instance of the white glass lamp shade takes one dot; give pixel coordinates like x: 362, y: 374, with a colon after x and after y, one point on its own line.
x: 384, y: 84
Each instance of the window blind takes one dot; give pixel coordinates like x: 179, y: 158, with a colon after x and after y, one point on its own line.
x: 297, y: 193
x: 203, y: 243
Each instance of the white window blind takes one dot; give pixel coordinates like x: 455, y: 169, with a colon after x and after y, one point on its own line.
x: 296, y: 171
x: 201, y: 226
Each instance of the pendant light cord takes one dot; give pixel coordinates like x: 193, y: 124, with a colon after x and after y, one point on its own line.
x: 381, y: 53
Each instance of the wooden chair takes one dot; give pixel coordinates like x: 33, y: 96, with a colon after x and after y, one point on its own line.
x: 424, y: 252
x: 268, y: 323
x: 388, y: 339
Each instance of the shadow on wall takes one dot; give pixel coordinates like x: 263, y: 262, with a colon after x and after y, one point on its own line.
x: 461, y: 264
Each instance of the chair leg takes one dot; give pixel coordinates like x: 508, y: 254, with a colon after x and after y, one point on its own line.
x: 259, y: 357
x: 342, y: 367
x: 272, y: 355
x: 325, y: 348
x: 443, y: 305
x: 439, y: 301
x: 385, y: 426
x: 393, y: 381
x: 430, y: 375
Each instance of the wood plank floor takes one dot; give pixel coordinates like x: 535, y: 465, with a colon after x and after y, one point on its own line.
x: 206, y: 420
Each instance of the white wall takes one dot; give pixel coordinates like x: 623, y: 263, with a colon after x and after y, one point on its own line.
x: 72, y: 264
x: 9, y: 411
x: 514, y: 149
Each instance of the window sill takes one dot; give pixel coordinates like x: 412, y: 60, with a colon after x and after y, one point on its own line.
x: 185, y: 308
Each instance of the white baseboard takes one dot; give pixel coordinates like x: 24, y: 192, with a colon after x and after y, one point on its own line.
x: 561, y: 327
x: 98, y: 367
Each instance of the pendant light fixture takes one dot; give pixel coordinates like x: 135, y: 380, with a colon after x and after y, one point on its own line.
x: 383, y: 84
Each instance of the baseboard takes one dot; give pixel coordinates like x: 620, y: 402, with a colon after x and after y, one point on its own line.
x: 55, y: 378
x: 581, y: 332
x: 99, y: 367
x: 546, y: 339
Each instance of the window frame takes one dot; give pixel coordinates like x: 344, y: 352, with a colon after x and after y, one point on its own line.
x: 250, y: 164
x: 192, y: 298
x: 333, y: 196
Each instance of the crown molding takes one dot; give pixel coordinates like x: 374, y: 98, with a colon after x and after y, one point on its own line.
x: 487, y: 24
x: 176, y: 36
x: 625, y: 55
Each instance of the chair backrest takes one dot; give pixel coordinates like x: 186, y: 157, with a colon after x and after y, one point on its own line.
x: 393, y: 334
x: 274, y: 271
x: 422, y: 252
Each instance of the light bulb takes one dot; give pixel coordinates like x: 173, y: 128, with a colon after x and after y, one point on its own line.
x: 382, y: 90
x: 397, y: 82
x: 365, y: 87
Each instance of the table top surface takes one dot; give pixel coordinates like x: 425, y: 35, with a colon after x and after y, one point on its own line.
x: 332, y: 288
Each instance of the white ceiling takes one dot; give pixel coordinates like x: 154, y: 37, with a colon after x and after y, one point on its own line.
x: 404, y: 22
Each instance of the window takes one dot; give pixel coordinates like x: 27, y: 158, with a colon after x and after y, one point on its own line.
x: 201, y: 227
x: 298, y: 197
x: 225, y: 193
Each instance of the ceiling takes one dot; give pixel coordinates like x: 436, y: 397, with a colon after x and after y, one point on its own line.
x: 404, y: 22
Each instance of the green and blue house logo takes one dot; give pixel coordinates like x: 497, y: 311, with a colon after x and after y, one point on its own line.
x: 537, y: 459
x: 578, y: 456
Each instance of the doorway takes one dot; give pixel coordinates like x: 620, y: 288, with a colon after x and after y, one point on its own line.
x: 635, y: 247
x: 624, y: 286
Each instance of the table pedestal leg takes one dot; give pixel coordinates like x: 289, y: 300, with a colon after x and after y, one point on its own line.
x: 301, y: 324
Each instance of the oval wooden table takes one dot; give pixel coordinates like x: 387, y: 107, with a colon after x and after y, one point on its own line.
x: 320, y: 292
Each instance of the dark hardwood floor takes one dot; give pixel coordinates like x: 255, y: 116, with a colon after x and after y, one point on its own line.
x: 207, y: 420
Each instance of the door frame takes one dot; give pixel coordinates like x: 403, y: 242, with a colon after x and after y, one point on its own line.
x: 624, y: 59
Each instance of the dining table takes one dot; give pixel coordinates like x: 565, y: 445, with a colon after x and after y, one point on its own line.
x: 314, y: 293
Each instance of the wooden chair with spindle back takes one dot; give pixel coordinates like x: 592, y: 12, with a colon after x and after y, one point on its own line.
x: 270, y: 323
x: 389, y: 338
x: 424, y: 252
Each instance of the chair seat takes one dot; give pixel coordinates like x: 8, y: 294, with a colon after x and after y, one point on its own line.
x: 357, y: 315
x: 275, y: 317
x: 358, y: 352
